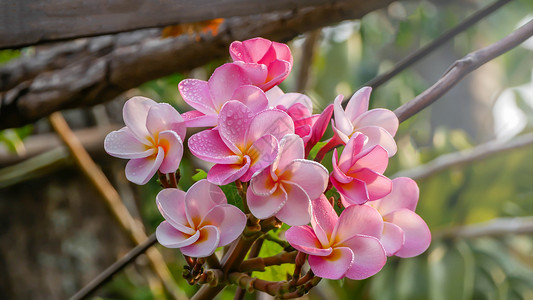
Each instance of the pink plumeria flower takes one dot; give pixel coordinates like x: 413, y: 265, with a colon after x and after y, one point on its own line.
x: 357, y: 174
x: 286, y: 188
x: 152, y: 139
x: 228, y: 82
x: 299, y: 107
x: 267, y: 63
x: 345, y: 246
x: 405, y: 234
x: 198, y: 221
x: 379, y: 125
x: 243, y: 142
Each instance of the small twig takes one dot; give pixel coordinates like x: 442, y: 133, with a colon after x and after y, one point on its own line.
x: 424, y: 51
x: 464, y: 157
x: 284, y: 244
x: 260, y: 263
x: 298, y: 264
x: 461, y: 68
x: 492, y: 228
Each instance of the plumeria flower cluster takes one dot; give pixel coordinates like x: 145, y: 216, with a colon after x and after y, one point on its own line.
x: 260, y: 139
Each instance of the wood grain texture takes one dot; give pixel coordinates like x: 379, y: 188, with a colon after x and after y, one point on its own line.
x: 94, y: 70
x: 27, y: 22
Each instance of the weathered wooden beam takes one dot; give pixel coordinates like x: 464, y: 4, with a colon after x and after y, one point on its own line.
x: 110, y: 65
x: 27, y: 22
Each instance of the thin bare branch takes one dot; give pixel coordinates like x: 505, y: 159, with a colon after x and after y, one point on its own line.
x: 112, y: 68
x: 308, y: 53
x: 492, y: 228
x: 132, y: 227
x: 445, y: 37
x: 464, y: 157
x: 461, y: 68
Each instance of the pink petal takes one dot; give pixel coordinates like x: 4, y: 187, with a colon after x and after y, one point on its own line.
x: 141, y: 170
x: 380, y: 117
x: 323, y: 219
x: 311, y: 176
x: 238, y: 52
x: 273, y: 94
x: 123, y: 144
x: 195, y: 118
x: 271, y: 121
x: 358, y: 103
x: 196, y: 93
x: 342, y: 122
x: 171, y: 237
x: 337, y: 173
x: 291, y: 148
x: 289, y: 100
x: 333, y: 266
x: 416, y: 231
x: 222, y: 174
x: 256, y: 73
x: 200, y: 199
x: 404, y: 194
x: 223, y: 83
x: 282, y: 51
x: 257, y: 48
x: 319, y: 127
x: 392, y: 239
x: 379, y: 136
x: 354, y: 192
x: 350, y: 152
x: 171, y: 204
x: 269, y: 56
x: 229, y: 220
x: 262, y: 183
x: 251, y: 96
x: 377, y: 185
x: 266, y: 206
x: 297, y: 210
x: 355, y: 220
x: 208, y: 145
x: 262, y: 153
x: 302, y: 238
x: 278, y: 70
x: 135, y: 112
x: 164, y: 117
x: 369, y: 256
x: 233, y: 121
x: 206, y: 244
x: 375, y: 159
x: 173, y: 147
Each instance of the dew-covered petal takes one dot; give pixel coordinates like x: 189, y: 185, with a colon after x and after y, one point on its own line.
x: 223, y: 83
x: 266, y: 206
x: 417, y: 236
x: 358, y: 103
x: 379, y: 136
x: 233, y: 122
x: 392, y: 238
x: 195, y: 118
x: 196, y: 93
x: 369, y: 256
x: 170, y: 237
x: 311, y: 176
x: 173, y: 147
x: 123, y: 144
x: 302, y: 238
x: 333, y: 266
x: 297, y: 209
x: 404, y: 194
x: 229, y: 220
x: 206, y: 244
x: 323, y: 219
x: 135, y: 112
x: 141, y: 170
x: 380, y: 117
x: 171, y: 204
x: 209, y: 146
x: 253, y: 97
x: 358, y: 219
x: 222, y: 174
x: 262, y: 153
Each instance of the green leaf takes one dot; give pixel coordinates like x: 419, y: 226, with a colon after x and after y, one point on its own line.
x: 273, y: 273
x: 315, y: 149
x: 232, y: 194
x: 201, y: 174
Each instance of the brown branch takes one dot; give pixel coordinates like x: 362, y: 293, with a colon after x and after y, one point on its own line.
x: 461, y: 68
x: 464, y: 157
x: 445, y: 37
x: 42, y: 22
x: 114, y: 64
x: 492, y: 228
x: 260, y: 263
x: 98, y: 179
